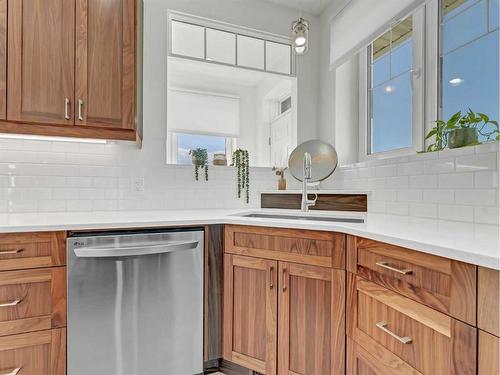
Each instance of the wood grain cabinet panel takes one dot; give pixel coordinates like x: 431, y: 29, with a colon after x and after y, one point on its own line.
x: 391, y: 327
x: 443, y: 284
x: 36, y: 353
x: 3, y: 59
x: 488, y: 306
x: 311, y: 321
x: 32, y: 250
x: 32, y: 300
x: 41, y: 61
x: 489, y: 354
x: 105, y: 63
x: 250, y: 311
x: 317, y: 248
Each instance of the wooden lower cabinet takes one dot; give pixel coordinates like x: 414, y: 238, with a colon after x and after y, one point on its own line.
x: 35, y: 353
x: 396, y: 329
x: 488, y: 354
x: 311, y: 320
x: 283, y: 318
x: 250, y: 312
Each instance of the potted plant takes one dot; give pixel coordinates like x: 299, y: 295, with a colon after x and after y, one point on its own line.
x: 460, y: 131
x: 281, y: 173
x: 241, y: 161
x: 199, y: 157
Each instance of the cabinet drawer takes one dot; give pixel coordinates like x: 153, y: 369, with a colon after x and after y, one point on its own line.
x: 489, y: 354
x: 443, y: 284
x: 362, y: 362
x: 37, y: 353
x: 32, y: 250
x: 32, y: 300
x: 292, y: 245
x: 392, y: 326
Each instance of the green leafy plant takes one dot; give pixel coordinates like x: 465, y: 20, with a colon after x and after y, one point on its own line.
x: 241, y: 161
x: 200, y: 160
x: 470, y: 120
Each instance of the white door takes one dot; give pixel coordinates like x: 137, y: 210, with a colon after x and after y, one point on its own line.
x: 281, y: 139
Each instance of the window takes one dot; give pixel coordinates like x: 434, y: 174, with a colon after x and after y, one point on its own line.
x: 469, y: 57
x: 285, y: 105
x: 394, y: 100
x: 184, y: 143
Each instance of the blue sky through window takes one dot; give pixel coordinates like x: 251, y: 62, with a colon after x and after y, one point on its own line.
x: 471, y: 59
x: 187, y: 142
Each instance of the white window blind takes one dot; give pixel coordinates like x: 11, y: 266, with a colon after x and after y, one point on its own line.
x: 203, y: 113
x: 362, y: 21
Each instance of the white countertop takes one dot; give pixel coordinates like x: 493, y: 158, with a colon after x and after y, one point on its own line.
x: 472, y: 243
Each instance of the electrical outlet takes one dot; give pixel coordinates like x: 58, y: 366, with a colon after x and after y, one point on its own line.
x: 139, y: 185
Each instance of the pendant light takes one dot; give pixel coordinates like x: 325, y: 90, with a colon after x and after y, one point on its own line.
x: 300, y: 36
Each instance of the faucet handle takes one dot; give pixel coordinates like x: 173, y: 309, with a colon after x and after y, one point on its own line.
x: 312, y: 202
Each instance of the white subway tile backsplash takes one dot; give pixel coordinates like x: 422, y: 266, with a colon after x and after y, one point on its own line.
x: 439, y: 166
x: 397, y: 208
x: 423, y: 182
x: 439, y: 196
x: 410, y: 195
x: 401, y: 182
x: 477, y: 162
x: 486, y: 215
x: 456, y: 212
x: 476, y: 197
x: 410, y: 168
x: 427, y: 210
x: 386, y: 171
x: 486, y: 180
x: 456, y: 181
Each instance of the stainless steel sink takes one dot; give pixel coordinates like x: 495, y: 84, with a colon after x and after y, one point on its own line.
x: 308, y: 218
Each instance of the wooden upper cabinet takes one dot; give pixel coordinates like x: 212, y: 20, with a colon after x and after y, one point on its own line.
x: 311, y: 322
x: 105, y: 63
x: 250, y: 310
x: 41, y: 61
x: 3, y: 59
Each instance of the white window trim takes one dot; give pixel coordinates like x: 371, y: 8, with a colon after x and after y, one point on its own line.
x: 420, y: 64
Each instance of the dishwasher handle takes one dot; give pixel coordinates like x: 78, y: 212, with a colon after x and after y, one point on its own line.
x: 134, y: 250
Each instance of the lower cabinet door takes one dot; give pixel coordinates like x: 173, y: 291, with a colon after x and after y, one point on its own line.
x: 250, y: 312
x: 311, y: 320
x: 489, y: 354
x: 36, y: 353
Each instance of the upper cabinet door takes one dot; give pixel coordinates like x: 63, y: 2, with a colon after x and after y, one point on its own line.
x: 41, y: 61
x: 105, y: 63
x: 3, y: 59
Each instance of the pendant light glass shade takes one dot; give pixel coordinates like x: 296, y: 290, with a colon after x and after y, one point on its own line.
x: 300, y: 36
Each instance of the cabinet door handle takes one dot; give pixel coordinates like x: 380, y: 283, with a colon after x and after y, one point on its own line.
x: 271, y: 279
x: 9, y: 252
x: 11, y: 303
x: 13, y: 371
x: 284, y: 279
x: 66, y: 109
x: 80, y: 109
x: 388, y: 267
x: 403, y: 340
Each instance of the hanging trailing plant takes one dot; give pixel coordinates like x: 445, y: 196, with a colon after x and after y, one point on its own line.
x: 241, y: 161
x: 200, y: 160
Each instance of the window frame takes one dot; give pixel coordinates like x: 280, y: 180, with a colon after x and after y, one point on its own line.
x: 418, y: 77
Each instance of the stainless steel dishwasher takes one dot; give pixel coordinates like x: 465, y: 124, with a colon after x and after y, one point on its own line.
x: 135, y: 303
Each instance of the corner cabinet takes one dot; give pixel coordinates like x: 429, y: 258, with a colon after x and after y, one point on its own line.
x: 71, y: 68
x: 279, y: 305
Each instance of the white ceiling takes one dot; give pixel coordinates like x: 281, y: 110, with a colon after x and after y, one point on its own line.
x: 315, y: 7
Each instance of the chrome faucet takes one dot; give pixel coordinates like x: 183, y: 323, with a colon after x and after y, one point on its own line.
x: 306, y: 202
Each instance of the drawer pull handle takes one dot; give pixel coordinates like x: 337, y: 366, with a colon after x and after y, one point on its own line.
x: 9, y: 252
x: 388, y: 267
x: 284, y: 280
x: 10, y: 304
x: 402, y: 340
x: 271, y: 283
x: 13, y: 371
